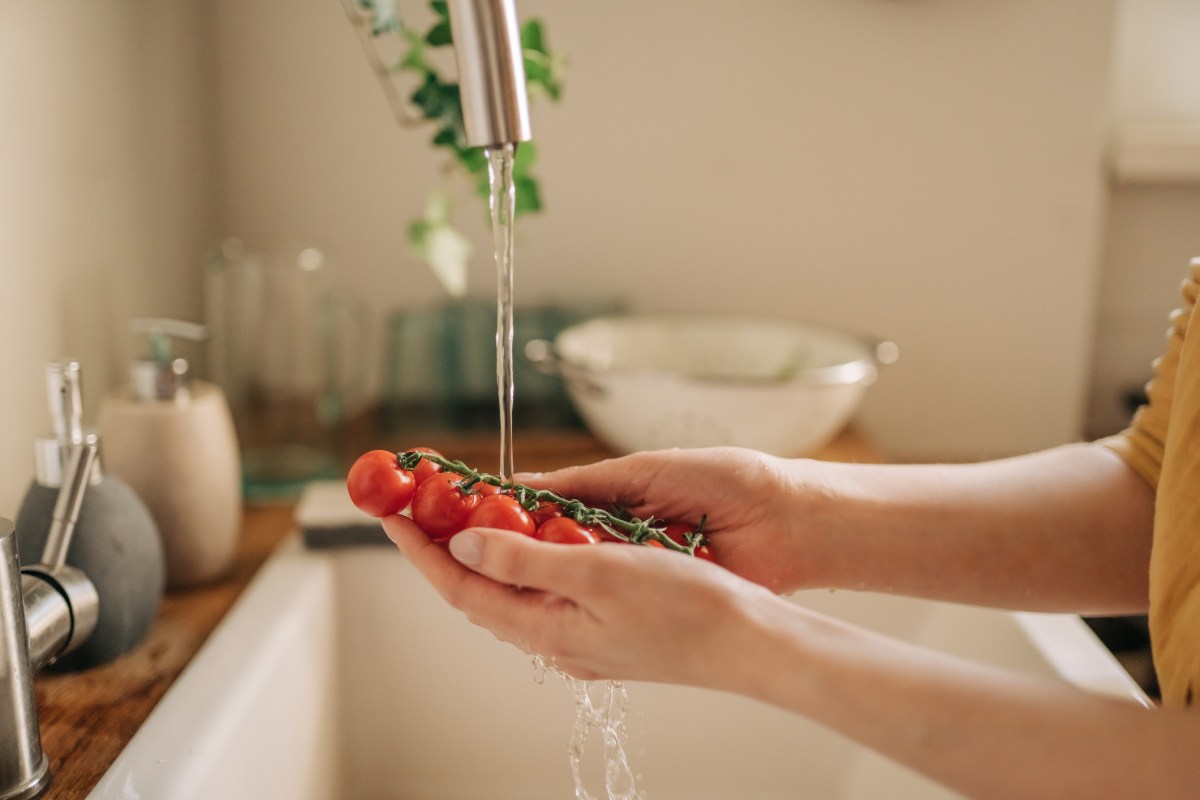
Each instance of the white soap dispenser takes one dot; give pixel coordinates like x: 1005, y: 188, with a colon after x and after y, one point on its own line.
x: 172, y: 439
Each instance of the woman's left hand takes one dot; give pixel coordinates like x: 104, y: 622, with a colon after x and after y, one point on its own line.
x: 610, y: 611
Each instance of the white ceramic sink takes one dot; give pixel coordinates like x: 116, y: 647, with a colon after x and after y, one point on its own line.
x: 340, y: 675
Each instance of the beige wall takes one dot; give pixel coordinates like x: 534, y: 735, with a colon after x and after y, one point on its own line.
x: 103, y: 195
x: 1152, y: 231
x: 924, y: 171
x: 930, y: 172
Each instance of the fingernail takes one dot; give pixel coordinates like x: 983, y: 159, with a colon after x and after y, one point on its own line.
x: 467, y: 547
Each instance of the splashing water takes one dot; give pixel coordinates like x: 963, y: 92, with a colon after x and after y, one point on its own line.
x: 600, y: 706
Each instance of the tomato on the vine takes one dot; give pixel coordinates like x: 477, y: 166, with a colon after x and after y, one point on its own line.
x: 501, y: 511
x: 426, y: 468
x: 564, y: 530
x: 377, y: 484
x: 440, y: 506
x: 546, y: 510
x: 677, y: 532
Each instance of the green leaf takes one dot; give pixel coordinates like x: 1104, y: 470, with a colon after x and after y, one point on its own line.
x: 529, y: 195
x: 442, y: 9
x: 384, y: 18
x: 414, y: 60
x: 526, y: 155
x: 439, y: 35
x: 437, y: 242
x: 533, y: 37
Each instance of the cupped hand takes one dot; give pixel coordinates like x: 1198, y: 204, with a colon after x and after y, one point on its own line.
x: 749, y: 500
x: 598, y: 611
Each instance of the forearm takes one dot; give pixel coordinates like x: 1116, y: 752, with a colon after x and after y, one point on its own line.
x: 1063, y: 529
x: 984, y: 732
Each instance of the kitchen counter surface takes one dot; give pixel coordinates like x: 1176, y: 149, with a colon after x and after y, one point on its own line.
x: 87, y: 718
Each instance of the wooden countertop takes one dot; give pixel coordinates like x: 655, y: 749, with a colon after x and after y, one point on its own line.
x: 88, y: 718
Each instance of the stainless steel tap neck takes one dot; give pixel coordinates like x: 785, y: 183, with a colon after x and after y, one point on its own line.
x: 491, y: 71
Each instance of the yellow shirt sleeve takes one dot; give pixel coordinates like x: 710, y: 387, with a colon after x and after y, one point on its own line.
x: 1142, y: 444
x: 1162, y: 444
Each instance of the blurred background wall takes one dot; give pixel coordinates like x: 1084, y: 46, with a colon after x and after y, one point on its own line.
x: 942, y: 174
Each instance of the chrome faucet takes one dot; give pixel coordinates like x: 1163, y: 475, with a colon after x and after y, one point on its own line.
x: 46, y: 610
x: 491, y: 71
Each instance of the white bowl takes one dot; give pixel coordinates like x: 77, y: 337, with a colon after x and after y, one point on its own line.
x: 651, y: 381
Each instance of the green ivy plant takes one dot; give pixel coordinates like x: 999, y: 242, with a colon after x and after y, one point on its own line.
x: 436, y: 103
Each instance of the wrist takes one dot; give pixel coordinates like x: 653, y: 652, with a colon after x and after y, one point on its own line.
x: 815, y: 512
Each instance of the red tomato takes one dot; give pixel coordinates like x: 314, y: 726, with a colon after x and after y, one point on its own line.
x: 440, y: 506
x: 605, y: 536
x: 426, y: 468
x: 676, y: 531
x: 486, y: 489
x: 564, y: 530
x: 546, y: 510
x: 501, y: 511
x: 378, y: 486
x: 704, y: 554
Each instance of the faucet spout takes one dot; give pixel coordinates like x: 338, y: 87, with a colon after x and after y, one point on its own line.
x: 45, y: 611
x: 491, y: 71
x: 24, y: 770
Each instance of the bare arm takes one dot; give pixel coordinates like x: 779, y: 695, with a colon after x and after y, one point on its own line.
x: 1067, y: 529
x: 985, y: 732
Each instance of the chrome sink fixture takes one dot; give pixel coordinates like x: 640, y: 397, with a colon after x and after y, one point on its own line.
x: 491, y: 71
x: 48, y: 609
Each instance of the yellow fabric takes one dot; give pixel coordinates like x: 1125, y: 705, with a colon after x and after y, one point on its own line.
x: 1163, y: 445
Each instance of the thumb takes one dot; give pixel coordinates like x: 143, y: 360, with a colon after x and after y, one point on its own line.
x: 518, y: 560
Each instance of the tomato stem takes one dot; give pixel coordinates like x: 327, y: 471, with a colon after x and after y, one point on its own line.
x: 632, y: 529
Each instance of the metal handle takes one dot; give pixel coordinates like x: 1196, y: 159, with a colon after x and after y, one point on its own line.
x: 66, y: 506
x: 546, y: 360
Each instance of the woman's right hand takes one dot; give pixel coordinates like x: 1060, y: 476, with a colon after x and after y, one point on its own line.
x: 749, y: 499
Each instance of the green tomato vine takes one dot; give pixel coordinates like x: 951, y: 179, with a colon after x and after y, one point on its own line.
x: 628, y: 529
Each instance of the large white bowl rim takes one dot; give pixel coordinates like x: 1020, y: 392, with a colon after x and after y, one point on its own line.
x: 718, y: 348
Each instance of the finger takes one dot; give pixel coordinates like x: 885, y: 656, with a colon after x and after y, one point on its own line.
x: 615, y: 480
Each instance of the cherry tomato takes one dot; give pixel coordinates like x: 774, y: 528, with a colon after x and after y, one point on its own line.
x: 501, y: 511
x: 605, y: 536
x: 564, y: 530
x: 546, y: 510
x: 677, y: 532
x: 704, y: 554
x: 377, y: 485
x: 486, y: 489
x: 440, y: 506
x: 426, y: 468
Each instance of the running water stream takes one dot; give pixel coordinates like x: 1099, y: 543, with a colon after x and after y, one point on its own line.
x: 503, y: 205
x: 601, y: 705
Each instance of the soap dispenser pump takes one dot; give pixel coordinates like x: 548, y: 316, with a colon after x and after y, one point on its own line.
x: 172, y: 439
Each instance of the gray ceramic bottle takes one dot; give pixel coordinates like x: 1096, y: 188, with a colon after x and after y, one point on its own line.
x: 116, y: 543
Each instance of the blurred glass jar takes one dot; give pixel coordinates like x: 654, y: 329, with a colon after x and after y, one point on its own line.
x: 440, y: 365
x: 287, y: 346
